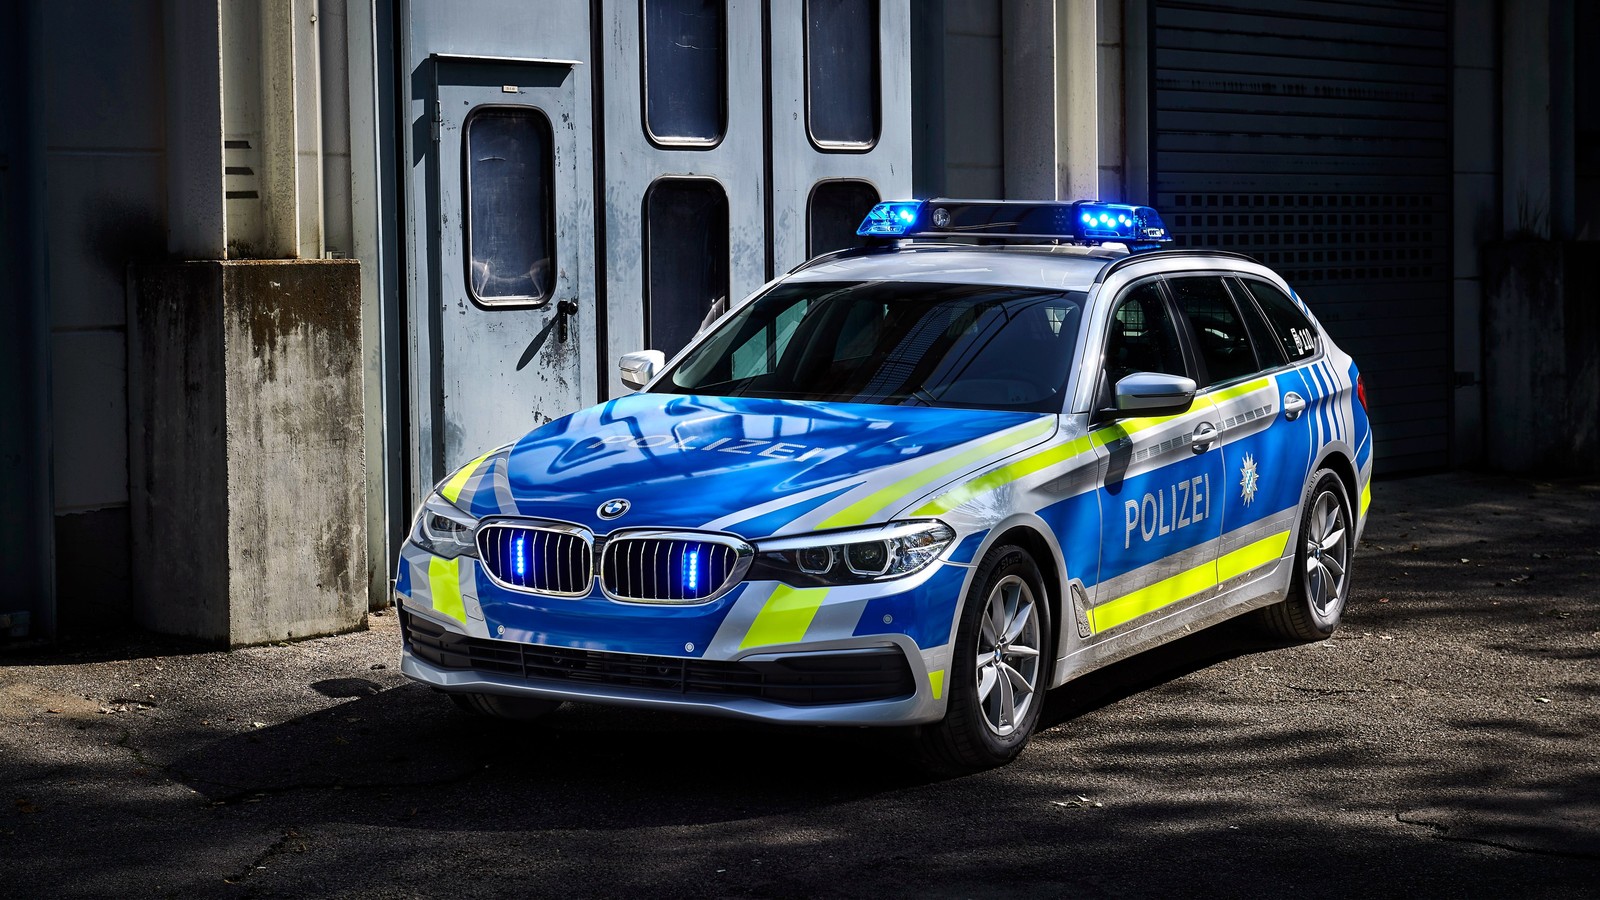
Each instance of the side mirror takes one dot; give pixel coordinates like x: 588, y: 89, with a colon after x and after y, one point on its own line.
x: 1153, y: 394
x: 640, y: 366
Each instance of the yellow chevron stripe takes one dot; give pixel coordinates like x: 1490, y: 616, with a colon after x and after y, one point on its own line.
x: 1239, y: 390
x: 444, y: 585
x: 452, y: 488
x: 858, y: 513
x: 936, y: 682
x: 1366, y: 497
x: 1188, y: 583
x: 997, y: 478
x: 785, y: 617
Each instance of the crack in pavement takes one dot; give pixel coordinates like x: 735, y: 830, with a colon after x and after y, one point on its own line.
x: 259, y: 863
x: 1442, y: 832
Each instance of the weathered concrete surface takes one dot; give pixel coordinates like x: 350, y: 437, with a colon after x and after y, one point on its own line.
x: 1542, y: 357
x: 1442, y: 744
x: 248, y: 487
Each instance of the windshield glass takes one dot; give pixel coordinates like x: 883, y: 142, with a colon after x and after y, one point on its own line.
x: 896, y: 343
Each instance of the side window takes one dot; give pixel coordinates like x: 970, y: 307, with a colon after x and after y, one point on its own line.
x: 842, y: 73
x: 686, y: 261
x: 685, y: 77
x: 1218, y: 331
x: 1142, y: 337
x: 510, y: 206
x: 1267, y: 349
x: 1295, y: 334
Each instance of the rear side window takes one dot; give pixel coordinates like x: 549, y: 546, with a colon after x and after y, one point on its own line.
x: 1219, y: 332
x: 1295, y: 334
x: 1267, y: 349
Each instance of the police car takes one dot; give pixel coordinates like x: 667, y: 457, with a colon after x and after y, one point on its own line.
x: 914, y: 483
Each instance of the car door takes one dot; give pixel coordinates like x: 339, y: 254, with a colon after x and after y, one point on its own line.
x: 1159, y: 520
x: 1264, y: 443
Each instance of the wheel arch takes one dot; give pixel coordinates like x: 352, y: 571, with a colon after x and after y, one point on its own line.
x: 1343, y: 466
x: 1051, y: 568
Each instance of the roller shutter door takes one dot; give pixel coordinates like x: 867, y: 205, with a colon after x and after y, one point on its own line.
x: 1314, y: 136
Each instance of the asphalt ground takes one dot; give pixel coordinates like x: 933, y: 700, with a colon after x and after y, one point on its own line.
x: 1443, y: 743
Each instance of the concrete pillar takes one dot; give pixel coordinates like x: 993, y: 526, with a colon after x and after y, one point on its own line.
x: 1537, y: 140
x: 247, y: 478
x: 196, y: 222
x: 1063, y: 99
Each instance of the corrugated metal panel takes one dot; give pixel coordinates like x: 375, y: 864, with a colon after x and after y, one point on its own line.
x: 1314, y: 136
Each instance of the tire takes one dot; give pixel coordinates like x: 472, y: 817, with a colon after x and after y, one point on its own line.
x: 976, y: 732
x: 495, y: 706
x: 1321, y: 585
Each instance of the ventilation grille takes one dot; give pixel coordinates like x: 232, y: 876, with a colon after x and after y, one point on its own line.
x: 540, y: 560
x: 670, y: 569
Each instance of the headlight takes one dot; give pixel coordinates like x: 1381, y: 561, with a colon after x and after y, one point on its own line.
x: 444, y: 530
x: 851, y: 557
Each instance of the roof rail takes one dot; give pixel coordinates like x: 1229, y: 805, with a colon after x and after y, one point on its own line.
x: 1168, y: 254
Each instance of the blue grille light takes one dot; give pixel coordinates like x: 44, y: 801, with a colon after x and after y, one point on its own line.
x: 691, y: 570
x: 892, y: 219
x: 520, y: 556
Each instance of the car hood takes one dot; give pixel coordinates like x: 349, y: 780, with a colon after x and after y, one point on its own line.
x: 745, y: 465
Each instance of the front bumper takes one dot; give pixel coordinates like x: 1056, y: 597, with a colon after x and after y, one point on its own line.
x: 867, y: 685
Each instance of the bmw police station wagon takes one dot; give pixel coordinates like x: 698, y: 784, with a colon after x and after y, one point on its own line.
x: 915, y: 483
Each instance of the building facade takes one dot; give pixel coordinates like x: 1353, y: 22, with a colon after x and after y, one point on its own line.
x: 529, y: 190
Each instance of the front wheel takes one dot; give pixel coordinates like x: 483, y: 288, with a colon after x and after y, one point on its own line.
x: 1000, y: 670
x: 1315, y: 603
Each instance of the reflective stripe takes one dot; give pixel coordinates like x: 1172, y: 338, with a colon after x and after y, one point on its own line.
x: 936, y: 681
x: 1187, y: 584
x: 1251, y: 556
x: 998, y: 478
x: 785, y: 617
x: 858, y: 513
x: 1239, y: 390
x: 444, y: 584
x: 452, y: 488
x: 1366, y: 497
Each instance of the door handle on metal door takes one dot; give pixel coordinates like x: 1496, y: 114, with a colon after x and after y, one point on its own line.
x: 1204, y: 435
x: 1293, y: 406
x: 564, y: 310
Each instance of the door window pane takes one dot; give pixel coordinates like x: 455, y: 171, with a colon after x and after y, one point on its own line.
x: 1218, y: 331
x: 686, y: 236
x: 1142, y: 338
x: 686, y: 73
x: 510, y: 206
x: 842, y: 72
x: 1267, y: 349
x: 837, y: 208
x: 1295, y: 334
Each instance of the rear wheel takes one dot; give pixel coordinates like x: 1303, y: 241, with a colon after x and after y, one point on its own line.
x: 495, y: 706
x: 1000, y: 670
x: 1321, y: 585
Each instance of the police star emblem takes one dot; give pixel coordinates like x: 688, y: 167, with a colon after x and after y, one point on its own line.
x: 1247, y: 479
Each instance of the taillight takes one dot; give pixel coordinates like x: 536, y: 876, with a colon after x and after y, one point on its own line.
x: 1361, y: 392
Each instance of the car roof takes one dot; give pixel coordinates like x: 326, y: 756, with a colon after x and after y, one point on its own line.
x: 1051, y: 267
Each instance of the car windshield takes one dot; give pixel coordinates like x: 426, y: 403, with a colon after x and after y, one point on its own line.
x: 895, y: 343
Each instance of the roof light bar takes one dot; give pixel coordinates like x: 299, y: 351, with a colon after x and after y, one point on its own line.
x: 1079, y: 222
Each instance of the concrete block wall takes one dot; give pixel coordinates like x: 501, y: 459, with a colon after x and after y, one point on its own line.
x: 248, y: 462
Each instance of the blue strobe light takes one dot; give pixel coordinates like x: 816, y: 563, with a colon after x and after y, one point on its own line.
x: 891, y: 219
x: 519, y: 553
x: 690, y: 571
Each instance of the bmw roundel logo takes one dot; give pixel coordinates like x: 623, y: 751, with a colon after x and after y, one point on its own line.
x: 613, y: 508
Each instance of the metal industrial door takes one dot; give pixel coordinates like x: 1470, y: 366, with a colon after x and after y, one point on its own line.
x: 1314, y: 136
x: 841, y: 119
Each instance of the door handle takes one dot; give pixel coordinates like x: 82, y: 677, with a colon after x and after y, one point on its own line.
x: 1293, y: 406
x: 1205, y: 434
x: 564, y: 311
